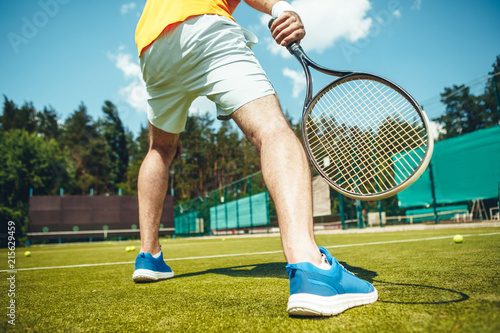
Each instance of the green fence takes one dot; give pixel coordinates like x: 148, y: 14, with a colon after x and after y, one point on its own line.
x: 464, y: 168
x: 247, y: 213
x: 239, y: 207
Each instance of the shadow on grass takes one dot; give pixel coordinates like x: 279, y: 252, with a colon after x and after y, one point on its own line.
x: 389, y: 292
x: 271, y: 270
x: 406, y: 293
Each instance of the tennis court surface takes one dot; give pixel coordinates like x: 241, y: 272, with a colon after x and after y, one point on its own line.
x: 426, y: 283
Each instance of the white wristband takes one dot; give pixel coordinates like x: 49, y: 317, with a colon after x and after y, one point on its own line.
x: 280, y: 7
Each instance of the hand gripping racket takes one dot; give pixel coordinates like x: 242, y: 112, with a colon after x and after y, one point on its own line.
x: 365, y: 135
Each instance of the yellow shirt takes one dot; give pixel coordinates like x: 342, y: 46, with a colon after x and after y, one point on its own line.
x: 159, y: 14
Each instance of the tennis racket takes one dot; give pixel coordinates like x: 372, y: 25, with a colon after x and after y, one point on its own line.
x: 365, y: 135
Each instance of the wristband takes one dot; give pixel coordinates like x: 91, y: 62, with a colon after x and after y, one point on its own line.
x: 280, y: 7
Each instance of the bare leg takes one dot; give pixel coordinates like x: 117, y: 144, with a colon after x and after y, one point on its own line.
x: 286, y: 173
x: 152, y: 185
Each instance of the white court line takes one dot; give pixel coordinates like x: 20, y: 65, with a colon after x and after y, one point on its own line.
x: 247, y: 254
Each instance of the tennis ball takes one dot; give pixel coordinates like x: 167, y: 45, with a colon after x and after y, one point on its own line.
x: 458, y: 239
x: 27, y: 254
x: 132, y: 248
x: 128, y: 249
x: 223, y: 239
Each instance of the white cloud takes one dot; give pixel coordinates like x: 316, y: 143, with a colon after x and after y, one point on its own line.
x: 298, y: 80
x: 123, y: 62
x: 134, y: 93
x: 328, y: 21
x: 125, y: 8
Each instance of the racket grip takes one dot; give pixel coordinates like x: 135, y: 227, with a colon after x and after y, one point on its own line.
x: 293, y: 47
x: 271, y: 21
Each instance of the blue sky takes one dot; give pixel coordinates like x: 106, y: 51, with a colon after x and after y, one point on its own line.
x: 64, y: 52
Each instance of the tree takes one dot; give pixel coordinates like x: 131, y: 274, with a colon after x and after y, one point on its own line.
x: 466, y: 113
x: 137, y: 151
x: 116, y: 140
x: 463, y: 112
x: 87, y: 152
x: 194, y: 171
x: 18, y: 118
x: 28, y: 161
x: 9, y: 114
x: 489, y: 99
x: 47, y: 124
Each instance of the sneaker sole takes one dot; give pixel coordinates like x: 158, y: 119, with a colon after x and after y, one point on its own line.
x: 146, y: 275
x: 314, y: 305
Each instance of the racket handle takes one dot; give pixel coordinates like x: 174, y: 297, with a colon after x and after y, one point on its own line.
x: 294, y: 47
x: 271, y: 21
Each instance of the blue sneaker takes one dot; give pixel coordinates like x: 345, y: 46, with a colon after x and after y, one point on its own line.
x: 148, y: 268
x: 318, y: 292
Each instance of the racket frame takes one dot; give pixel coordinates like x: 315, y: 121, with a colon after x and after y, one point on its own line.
x: 296, y: 50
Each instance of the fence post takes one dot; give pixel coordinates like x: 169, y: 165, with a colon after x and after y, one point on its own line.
x: 359, y: 213
x: 225, y: 207
x: 267, y: 208
x: 341, y: 211
x: 208, y: 222
x: 216, y: 207
x: 433, y: 191
x: 250, y: 203
x: 379, y: 208
x: 237, y: 207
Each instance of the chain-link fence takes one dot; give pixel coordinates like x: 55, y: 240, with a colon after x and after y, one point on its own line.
x: 243, y: 206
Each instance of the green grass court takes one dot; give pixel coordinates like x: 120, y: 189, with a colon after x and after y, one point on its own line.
x: 426, y: 283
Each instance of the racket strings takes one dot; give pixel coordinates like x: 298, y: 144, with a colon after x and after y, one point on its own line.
x: 359, y: 119
x: 363, y: 179
x: 364, y: 134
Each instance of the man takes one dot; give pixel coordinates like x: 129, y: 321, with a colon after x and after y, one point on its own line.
x: 191, y: 48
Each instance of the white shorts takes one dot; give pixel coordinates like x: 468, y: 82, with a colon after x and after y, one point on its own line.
x: 205, y: 55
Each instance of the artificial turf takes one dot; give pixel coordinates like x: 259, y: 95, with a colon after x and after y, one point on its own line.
x: 426, y: 283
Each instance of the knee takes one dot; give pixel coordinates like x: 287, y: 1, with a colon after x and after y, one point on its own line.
x: 273, y: 133
x: 166, y: 150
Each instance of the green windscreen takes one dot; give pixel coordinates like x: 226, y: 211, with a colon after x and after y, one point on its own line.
x: 464, y: 168
x: 242, y: 213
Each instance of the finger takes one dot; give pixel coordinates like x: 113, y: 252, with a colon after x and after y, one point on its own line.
x: 296, y: 36
x: 288, y: 30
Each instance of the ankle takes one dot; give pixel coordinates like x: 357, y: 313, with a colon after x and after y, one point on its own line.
x: 153, y: 250
x: 312, y: 256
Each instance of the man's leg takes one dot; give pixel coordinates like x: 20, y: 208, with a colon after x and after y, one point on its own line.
x: 153, y: 181
x: 315, y: 290
x: 286, y: 173
x: 153, y: 184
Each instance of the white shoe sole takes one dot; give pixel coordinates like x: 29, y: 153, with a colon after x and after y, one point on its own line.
x: 314, y: 305
x: 146, y: 275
